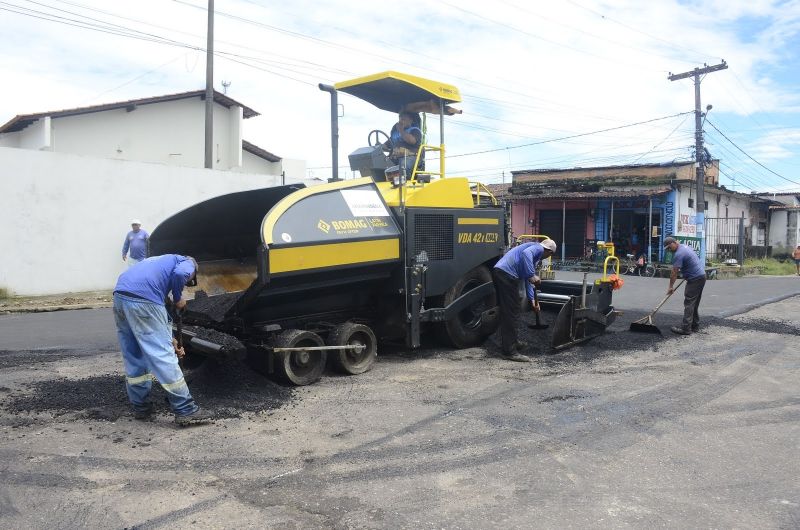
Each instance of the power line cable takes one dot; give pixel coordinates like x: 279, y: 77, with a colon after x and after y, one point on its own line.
x: 669, y: 43
x: 551, y: 140
x: 484, y: 18
x: 595, y: 36
x: 736, y: 157
x: 750, y: 157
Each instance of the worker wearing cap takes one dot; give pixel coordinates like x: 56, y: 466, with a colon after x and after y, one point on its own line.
x: 518, y: 264
x: 688, y: 263
x: 145, y: 334
x: 136, y: 242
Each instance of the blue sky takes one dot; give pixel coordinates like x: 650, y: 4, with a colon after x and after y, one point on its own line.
x: 544, y: 84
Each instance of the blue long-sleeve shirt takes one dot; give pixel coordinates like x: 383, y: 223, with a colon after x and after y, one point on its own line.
x: 155, y: 277
x: 137, y: 243
x: 520, y: 262
x: 687, y: 261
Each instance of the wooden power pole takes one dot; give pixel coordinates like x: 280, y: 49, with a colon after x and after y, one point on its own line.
x: 699, y: 151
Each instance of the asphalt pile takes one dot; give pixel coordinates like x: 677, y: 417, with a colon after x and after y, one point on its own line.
x: 228, y: 342
x: 210, y: 308
x: 618, y: 340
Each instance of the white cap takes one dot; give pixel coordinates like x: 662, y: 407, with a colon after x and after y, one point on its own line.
x: 136, y: 222
x: 549, y: 244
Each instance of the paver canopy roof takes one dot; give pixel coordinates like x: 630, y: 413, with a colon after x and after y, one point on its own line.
x: 395, y: 91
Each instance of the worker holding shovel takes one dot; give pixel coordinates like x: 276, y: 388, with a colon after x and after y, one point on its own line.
x: 145, y: 334
x: 518, y: 264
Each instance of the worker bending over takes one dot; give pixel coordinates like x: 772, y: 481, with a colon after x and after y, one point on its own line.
x: 518, y: 264
x: 145, y: 334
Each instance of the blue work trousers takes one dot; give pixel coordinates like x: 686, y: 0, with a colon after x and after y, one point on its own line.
x: 145, y: 336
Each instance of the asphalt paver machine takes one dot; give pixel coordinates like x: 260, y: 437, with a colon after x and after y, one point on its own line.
x: 300, y: 276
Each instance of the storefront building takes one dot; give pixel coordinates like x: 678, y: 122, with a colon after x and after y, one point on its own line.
x: 635, y: 207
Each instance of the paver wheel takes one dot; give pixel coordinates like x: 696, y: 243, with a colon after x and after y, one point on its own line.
x: 301, y: 367
x: 351, y: 361
x: 467, y: 328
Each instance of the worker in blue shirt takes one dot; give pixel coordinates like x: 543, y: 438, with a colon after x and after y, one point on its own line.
x: 145, y: 334
x: 685, y: 260
x: 137, y: 242
x: 518, y: 264
x: 404, y: 141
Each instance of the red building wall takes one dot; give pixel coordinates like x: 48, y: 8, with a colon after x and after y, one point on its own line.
x: 523, y: 211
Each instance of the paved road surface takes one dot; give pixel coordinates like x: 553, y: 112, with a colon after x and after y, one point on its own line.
x: 627, y: 431
x: 79, y: 330
x: 720, y: 297
x: 93, y: 329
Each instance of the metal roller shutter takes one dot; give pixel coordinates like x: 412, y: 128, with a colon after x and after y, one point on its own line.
x: 575, y: 233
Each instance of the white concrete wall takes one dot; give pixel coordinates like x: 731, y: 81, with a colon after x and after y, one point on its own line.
x: 64, y: 217
x: 35, y: 136
x: 295, y: 169
x: 716, y: 208
x: 784, y: 230
x: 170, y: 133
x: 255, y: 164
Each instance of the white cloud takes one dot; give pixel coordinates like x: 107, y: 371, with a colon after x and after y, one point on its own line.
x: 528, y: 72
x: 777, y: 145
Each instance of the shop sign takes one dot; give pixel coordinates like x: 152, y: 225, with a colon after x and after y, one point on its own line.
x: 691, y: 242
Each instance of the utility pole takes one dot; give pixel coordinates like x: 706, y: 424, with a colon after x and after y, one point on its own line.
x: 210, y: 88
x: 699, y: 151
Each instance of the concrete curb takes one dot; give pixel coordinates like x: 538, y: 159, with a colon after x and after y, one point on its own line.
x: 48, y: 309
x: 755, y: 305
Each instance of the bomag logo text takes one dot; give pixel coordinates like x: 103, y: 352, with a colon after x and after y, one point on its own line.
x: 349, y: 224
x: 478, y: 237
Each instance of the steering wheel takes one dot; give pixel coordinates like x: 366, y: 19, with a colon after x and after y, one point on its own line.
x: 376, y: 136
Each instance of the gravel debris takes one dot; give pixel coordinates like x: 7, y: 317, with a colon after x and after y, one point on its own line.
x: 229, y: 389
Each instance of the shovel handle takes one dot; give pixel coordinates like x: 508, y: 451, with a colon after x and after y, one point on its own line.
x: 667, y: 297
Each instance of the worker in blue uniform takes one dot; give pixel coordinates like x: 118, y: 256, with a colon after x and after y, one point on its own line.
x: 145, y: 334
x: 517, y: 265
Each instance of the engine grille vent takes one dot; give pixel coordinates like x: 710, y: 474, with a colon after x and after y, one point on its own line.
x: 433, y: 233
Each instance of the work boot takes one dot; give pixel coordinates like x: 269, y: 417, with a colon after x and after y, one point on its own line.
x: 516, y: 356
x: 695, y: 328
x: 680, y: 331
x: 198, y: 416
x: 144, y: 415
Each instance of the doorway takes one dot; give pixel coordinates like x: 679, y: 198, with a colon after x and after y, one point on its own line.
x: 574, y: 233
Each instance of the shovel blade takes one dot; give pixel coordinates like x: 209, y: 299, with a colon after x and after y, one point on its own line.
x: 538, y: 324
